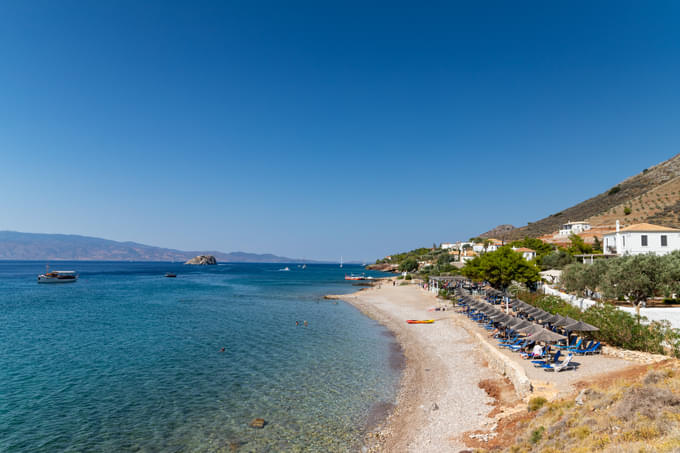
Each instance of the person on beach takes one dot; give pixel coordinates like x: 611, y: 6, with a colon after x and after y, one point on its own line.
x: 537, y: 351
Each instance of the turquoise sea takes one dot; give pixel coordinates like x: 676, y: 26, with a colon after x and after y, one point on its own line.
x: 127, y: 360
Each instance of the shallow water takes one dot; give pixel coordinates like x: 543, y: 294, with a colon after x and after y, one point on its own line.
x: 127, y: 360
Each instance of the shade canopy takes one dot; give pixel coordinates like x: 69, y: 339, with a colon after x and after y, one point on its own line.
x: 546, y: 336
x: 517, y: 323
x: 553, y: 319
x: 530, y: 329
x: 565, y: 321
x: 581, y: 326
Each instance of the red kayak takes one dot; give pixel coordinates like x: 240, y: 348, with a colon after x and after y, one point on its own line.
x: 417, y: 321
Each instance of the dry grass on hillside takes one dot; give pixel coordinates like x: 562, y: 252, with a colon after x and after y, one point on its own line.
x: 660, y: 205
x: 652, y: 196
x: 619, y: 414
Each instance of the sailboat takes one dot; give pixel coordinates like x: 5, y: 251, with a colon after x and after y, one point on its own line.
x: 340, y: 261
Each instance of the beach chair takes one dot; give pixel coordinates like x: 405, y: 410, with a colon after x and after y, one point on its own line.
x: 527, y: 344
x: 540, y: 363
x: 514, y: 342
x: 591, y: 349
x: 562, y: 366
x: 576, y: 346
x: 567, y: 346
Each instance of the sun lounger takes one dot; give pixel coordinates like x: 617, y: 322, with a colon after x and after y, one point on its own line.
x: 570, y: 345
x: 589, y: 350
x: 563, y: 365
x: 540, y: 363
x: 527, y: 344
x: 507, y: 345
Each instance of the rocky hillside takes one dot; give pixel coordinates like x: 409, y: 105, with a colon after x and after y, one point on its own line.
x: 652, y: 196
x: 499, y: 232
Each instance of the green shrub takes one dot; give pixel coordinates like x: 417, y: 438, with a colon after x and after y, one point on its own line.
x: 613, y: 190
x: 536, y: 403
x: 537, y: 435
x: 627, y: 210
x: 408, y: 277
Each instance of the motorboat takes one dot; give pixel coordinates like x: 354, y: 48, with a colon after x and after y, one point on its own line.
x: 58, y: 277
x: 170, y: 275
x: 418, y: 321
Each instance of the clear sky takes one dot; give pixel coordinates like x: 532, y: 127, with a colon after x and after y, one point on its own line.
x: 319, y: 129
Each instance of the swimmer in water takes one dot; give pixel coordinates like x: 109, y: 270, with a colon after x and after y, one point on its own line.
x: 222, y: 350
x: 297, y: 323
x: 306, y: 324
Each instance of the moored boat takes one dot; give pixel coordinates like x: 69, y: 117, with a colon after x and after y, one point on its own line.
x: 170, y: 275
x: 58, y: 277
x: 419, y: 321
x: 355, y: 277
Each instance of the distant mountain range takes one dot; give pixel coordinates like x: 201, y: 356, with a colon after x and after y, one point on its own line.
x: 651, y: 196
x: 70, y: 247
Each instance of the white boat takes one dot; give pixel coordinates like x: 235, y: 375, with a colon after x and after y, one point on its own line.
x: 58, y: 277
x: 285, y: 269
x: 340, y: 261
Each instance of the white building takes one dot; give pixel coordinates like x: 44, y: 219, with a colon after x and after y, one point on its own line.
x: 447, y: 246
x: 570, y: 228
x: 641, y: 238
x: 528, y: 254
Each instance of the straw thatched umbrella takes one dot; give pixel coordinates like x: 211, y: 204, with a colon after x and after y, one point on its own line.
x: 518, y: 323
x: 502, y: 318
x: 546, y: 336
x: 530, y: 329
x: 581, y: 326
x: 553, y: 319
x: 565, y: 321
x: 543, y: 316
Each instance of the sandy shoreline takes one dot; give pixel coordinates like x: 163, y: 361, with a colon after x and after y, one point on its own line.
x: 446, y: 384
x: 440, y: 397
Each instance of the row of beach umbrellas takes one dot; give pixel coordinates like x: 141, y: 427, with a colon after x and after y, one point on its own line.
x: 534, y: 331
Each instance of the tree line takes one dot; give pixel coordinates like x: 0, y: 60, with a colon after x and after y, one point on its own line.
x: 634, y: 278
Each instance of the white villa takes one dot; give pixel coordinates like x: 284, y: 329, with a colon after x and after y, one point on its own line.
x: 528, y: 254
x: 570, y: 228
x: 641, y: 238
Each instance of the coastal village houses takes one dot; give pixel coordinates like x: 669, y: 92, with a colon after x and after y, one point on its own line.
x: 528, y: 254
x: 641, y: 238
x: 570, y: 228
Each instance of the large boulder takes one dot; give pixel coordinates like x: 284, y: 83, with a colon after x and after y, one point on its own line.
x: 202, y: 260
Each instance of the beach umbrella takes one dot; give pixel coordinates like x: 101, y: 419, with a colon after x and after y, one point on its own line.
x: 518, y: 323
x: 581, y: 326
x: 501, y: 317
x: 543, y: 315
x: 530, y: 329
x: 534, y: 312
x: 565, y: 321
x: 553, y: 319
x: 546, y: 336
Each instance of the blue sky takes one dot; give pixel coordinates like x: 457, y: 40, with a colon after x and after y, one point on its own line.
x: 320, y: 129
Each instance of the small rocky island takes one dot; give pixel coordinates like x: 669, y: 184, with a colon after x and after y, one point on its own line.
x: 203, y: 260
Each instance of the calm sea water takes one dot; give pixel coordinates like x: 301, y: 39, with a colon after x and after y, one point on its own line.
x: 127, y: 360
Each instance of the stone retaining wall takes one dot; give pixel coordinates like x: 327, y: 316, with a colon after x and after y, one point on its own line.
x: 499, y: 362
